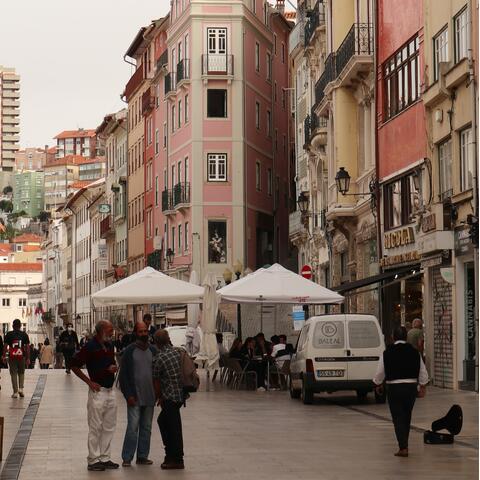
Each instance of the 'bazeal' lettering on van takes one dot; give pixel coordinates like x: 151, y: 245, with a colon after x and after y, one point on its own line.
x: 329, y: 341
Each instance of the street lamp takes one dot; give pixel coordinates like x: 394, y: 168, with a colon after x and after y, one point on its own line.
x: 303, y: 202
x: 342, y: 179
x: 170, y: 254
x: 227, y: 276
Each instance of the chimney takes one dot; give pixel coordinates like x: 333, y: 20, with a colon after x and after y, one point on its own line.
x: 280, y: 6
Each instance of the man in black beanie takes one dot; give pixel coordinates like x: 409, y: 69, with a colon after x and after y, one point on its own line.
x: 402, y: 368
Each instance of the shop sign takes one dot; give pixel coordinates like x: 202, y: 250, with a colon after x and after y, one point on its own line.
x: 463, y: 242
x: 104, y: 208
x: 448, y: 274
x: 432, y: 261
x: 398, y: 238
x: 429, y: 223
x: 298, y: 316
x: 102, y: 256
x: 400, y: 258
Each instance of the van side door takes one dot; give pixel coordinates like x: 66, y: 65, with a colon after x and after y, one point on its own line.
x: 365, y: 347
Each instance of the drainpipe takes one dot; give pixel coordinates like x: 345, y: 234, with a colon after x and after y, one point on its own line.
x: 245, y: 163
x: 473, y: 91
x: 377, y: 160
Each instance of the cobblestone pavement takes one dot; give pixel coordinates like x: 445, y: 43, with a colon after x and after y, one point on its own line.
x: 242, y: 435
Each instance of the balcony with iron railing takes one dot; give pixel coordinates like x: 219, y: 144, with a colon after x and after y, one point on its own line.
x: 134, y: 83
x: 169, y: 83
x: 181, y: 194
x: 217, y: 64
x: 148, y: 101
x: 358, y: 42
x: 183, y: 70
x: 167, y: 202
x: 162, y: 61
x: 328, y: 75
x: 296, y: 37
x: 316, y: 18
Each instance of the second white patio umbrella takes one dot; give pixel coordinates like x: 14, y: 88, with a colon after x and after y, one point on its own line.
x: 193, y: 334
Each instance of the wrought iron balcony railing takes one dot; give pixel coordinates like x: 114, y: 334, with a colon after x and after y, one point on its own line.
x: 217, y: 64
x: 315, y: 19
x: 181, y: 193
x: 163, y: 60
x: 169, y: 82
x: 359, y: 41
x: 328, y: 75
x: 167, y: 201
x: 183, y: 70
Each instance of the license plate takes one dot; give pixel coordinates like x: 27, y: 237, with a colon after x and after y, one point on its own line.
x: 330, y: 373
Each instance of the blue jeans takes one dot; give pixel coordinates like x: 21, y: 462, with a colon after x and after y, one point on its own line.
x: 137, y: 436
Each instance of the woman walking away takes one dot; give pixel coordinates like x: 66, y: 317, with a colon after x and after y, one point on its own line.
x: 46, y: 355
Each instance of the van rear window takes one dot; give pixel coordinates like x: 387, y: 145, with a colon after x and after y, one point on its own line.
x: 329, y: 335
x: 363, y: 334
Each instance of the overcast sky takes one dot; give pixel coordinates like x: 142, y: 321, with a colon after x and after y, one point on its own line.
x: 70, y: 58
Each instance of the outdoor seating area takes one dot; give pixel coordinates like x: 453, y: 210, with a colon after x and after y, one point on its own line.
x: 255, y: 364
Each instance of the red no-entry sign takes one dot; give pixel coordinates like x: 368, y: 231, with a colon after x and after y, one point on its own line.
x: 306, y: 272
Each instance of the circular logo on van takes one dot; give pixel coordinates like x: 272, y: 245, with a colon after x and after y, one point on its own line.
x: 329, y: 329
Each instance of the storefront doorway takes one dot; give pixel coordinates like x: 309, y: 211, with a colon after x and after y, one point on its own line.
x: 470, y: 334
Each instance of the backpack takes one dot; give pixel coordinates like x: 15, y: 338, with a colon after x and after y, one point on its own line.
x: 188, y: 373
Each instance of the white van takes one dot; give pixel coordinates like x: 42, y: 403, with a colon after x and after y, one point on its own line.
x: 336, y: 352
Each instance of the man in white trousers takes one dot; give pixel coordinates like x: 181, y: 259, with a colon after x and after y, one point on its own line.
x: 99, y: 358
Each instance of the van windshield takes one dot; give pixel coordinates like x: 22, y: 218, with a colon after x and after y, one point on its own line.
x: 329, y: 335
x: 363, y: 334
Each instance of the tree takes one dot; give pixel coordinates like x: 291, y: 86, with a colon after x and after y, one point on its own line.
x: 6, y: 206
x: 8, y: 189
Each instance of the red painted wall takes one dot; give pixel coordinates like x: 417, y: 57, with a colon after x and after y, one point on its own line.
x: 401, y: 139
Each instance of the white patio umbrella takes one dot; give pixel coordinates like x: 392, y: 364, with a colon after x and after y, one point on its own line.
x: 193, y: 335
x: 148, y: 286
x: 208, y: 322
x: 276, y: 284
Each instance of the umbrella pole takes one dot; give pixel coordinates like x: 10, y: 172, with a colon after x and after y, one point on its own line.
x: 239, y: 321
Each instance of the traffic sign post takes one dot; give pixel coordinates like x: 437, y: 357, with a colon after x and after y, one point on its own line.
x: 306, y: 272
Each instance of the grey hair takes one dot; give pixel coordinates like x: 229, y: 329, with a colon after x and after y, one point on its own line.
x: 100, y: 325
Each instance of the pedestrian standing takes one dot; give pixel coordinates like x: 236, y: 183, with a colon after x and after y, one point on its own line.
x: 402, y: 368
x: 136, y: 383
x: 99, y: 358
x: 46, y: 355
x: 170, y: 396
x: 147, y: 319
x: 68, y: 343
x: 17, y: 344
x: 415, y: 335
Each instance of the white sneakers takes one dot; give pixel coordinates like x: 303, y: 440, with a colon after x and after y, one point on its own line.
x: 15, y: 395
x: 261, y: 389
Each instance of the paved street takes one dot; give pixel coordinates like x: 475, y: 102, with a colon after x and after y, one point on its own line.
x: 240, y: 435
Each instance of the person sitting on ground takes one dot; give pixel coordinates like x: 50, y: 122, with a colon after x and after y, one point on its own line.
x: 236, y: 349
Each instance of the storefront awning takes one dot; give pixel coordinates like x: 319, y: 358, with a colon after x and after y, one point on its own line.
x: 365, y: 282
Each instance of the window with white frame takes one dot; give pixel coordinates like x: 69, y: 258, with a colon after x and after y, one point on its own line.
x: 22, y: 302
x: 440, y: 51
x: 462, y: 35
x: 186, y: 242
x: 466, y: 159
x: 156, y: 191
x: 186, y: 108
x: 165, y: 135
x: 179, y: 113
x: 180, y: 238
x: 173, y: 118
x: 445, y: 168
x: 5, y: 302
x: 217, y: 167
x: 157, y: 141
x: 257, y: 57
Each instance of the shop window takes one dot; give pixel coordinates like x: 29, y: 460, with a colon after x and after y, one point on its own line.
x: 217, y: 241
x: 216, y: 103
x: 401, y: 78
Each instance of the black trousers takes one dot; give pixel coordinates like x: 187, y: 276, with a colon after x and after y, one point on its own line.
x: 68, y: 355
x: 170, y: 424
x: 401, y: 399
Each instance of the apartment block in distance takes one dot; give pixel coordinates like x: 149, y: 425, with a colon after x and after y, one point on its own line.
x: 28, y: 192
x: 9, y: 121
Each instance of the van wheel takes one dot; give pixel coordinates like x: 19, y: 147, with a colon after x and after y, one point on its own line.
x: 362, y: 396
x: 380, y: 398
x: 307, y: 394
x: 294, y: 393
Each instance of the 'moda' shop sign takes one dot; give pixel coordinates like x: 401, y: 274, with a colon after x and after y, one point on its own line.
x: 398, y: 238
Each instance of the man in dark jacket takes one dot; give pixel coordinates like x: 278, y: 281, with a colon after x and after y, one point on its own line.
x: 68, y: 343
x: 402, y: 368
x: 136, y: 383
